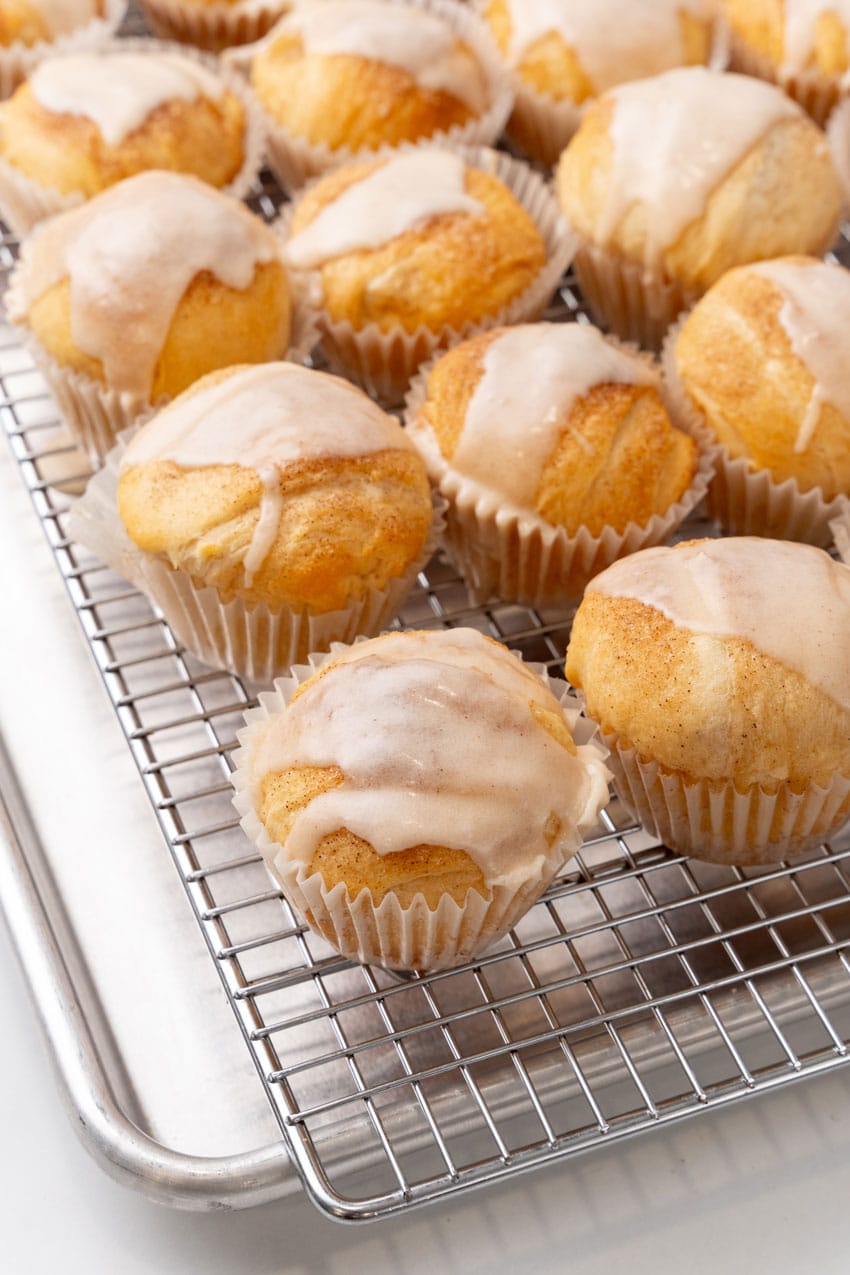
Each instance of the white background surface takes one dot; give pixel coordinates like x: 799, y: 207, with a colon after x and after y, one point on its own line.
x: 764, y: 1186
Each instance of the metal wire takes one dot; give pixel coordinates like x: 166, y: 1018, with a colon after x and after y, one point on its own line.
x: 643, y: 988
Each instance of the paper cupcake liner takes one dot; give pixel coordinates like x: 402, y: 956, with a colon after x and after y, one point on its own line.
x: 712, y: 820
x: 255, y: 643
x: 384, y: 362
x: 840, y: 528
x: 24, y: 201
x: 511, y: 554
x: 96, y: 414
x: 818, y: 94
x: 626, y: 298
x: 213, y: 26
x: 747, y: 501
x: 294, y: 161
x: 401, y: 938
x: 17, y: 61
x: 541, y: 126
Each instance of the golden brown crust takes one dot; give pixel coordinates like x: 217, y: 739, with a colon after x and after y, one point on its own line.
x: 554, y: 68
x: 432, y: 871
x: 346, y: 525
x: 739, y: 369
x: 453, y: 269
x: 698, y: 704
x: 619, y: 458
x: 21, y: 22
x: 204, y: 138
x: 213, y: 326
x: 341, y: 100
x: 760, y: 24
x: 783, y: 197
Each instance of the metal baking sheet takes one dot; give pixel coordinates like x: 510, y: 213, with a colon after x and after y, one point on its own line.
x: 642, y: 989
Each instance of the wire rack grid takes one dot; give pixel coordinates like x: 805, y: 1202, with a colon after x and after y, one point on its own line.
x: 642, y: 989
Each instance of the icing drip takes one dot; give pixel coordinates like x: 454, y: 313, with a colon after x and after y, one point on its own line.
x: 256, y: 418
x: 816, y: 319
x: 791, y: 601
x: 130, y: 255
x: 118, y: 91
x: 62, y: 16
x: 420, y: 43
x: 674, y: 139
x: 400, y: 194
x: 411, y: 720
x: 515, y: 420
x: 801, y: 20
x: 614, y: 40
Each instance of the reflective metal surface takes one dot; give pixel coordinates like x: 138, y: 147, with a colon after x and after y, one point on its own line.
x: 644, y: 987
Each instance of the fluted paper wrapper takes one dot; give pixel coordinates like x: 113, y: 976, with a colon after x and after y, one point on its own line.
x: 710, y: 819
x: 384, y: 362
x: 255, y: 643
x: 511, y: 554
x: 628, y: 299
x: 214, y: 26
x: 413, y: 938
x: 295, y: 161
x: 96, y: 414
x: 748, y: 501
x: 541, y: 126
x: 24, y: 202
x: 18, y: 60
x: 818, y: 94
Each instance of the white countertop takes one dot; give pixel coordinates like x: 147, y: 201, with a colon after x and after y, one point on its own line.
x: 763, y: 1186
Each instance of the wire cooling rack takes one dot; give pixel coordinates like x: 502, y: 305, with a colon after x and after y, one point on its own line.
x: 643, y: 988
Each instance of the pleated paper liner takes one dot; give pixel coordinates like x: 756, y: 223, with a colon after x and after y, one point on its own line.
x: 295, y: 161
x: 18, y: 60
x: 818, y: 94
x: 97, y: 414
x: 514, y: 555
x: 384, y: 362
x: 628, y: 299
x: 712, y: 820
x: 254, y: 642
x: 748, y: 501
x: 214, y: 26
x: 541, y: 126
x: 24, y: 201
x: 412, y: 938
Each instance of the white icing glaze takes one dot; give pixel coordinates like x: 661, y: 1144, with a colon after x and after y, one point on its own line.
x: 791, y: 601
x: 400, y: 194
x: 801, y: 19
x: 130, y: 254
x: 420, y: 43
x: 438, y: 744
x: 674, y: 139
x: 816, y: 319
x: 265, y: 418
x: 62, y: 16
x: 615, y: 40
x: 118, y: 91
x: 532, y: 376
